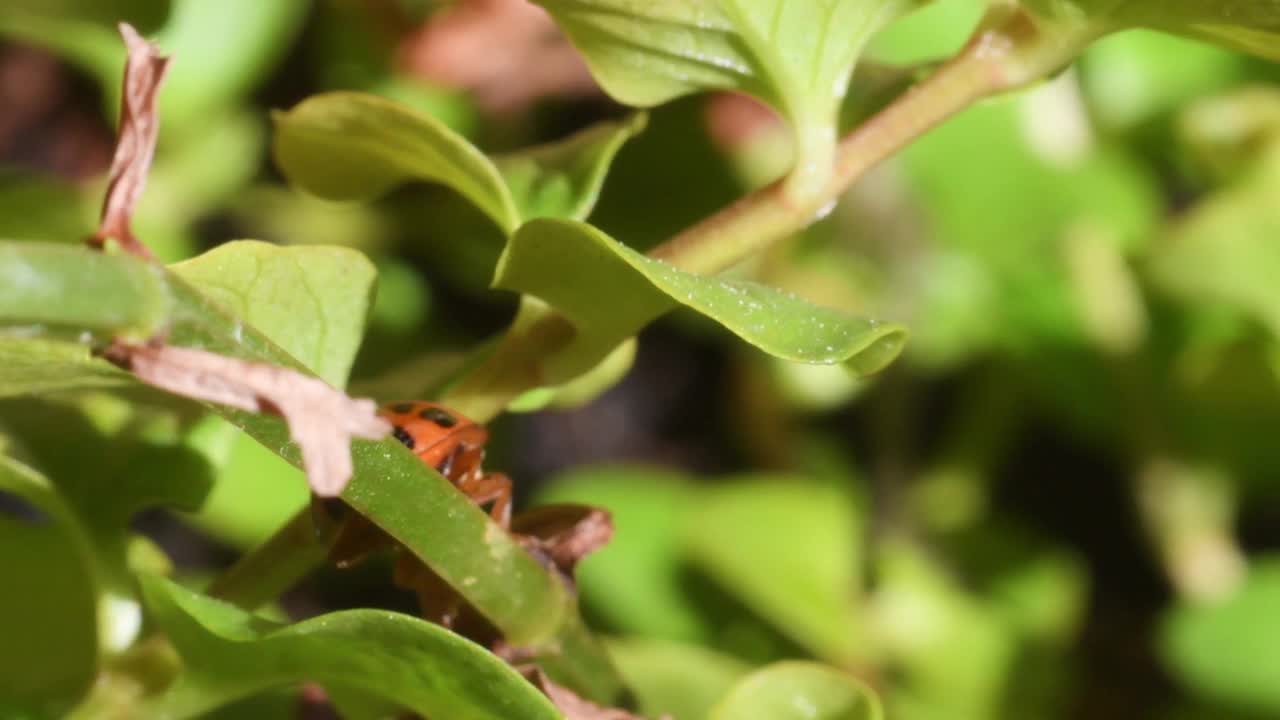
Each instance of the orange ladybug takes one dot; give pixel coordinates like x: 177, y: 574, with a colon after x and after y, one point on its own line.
x: 454, y: 446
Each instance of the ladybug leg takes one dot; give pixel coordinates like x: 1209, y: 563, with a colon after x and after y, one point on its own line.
x: 356, y: 539
x: 439, y: 602
x: 492, y: 488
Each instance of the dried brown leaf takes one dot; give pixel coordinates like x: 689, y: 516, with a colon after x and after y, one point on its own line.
x: 563, y: 534
x: 575, y: 708
x: 135, y: 144
x: 322, y: 420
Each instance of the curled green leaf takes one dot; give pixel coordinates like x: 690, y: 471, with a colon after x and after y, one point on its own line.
x: 355, y: 146
x: 563, y: 179
x: 230, y: 654
x: 609, y: 292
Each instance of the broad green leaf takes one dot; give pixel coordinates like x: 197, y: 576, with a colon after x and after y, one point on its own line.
x: 675, y: 680
x: 48, y: 617
x: 45, y: 285
x: 1251, y: 26
x: 354, y: 146
x: 230, y: 654
x: 32, y: 366
x: 796, y: 56
x: 791, y: 551
x: 312, y: 300
x: 1229, y: 650
x: 55, y: 297
x: 636, y: 583
x: 563, y: 179
x: 798, y: 691
x: 609, y: 292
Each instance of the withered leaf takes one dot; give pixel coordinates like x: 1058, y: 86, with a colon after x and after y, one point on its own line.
x: 322, y: 420
x: 144, y: 70
x: 563, y: 534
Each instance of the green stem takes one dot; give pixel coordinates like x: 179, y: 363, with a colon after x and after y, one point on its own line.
x: 1009, y: 51
x: 273, y: 567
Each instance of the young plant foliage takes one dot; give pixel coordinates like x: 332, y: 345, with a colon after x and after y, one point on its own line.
x: 609, y: 292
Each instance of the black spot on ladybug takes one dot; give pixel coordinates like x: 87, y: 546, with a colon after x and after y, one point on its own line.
x: 402, y: 436
x: 402, y: 408
x: 438, y: 416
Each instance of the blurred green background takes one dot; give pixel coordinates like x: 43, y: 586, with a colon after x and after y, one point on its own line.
x: 1062, y: 502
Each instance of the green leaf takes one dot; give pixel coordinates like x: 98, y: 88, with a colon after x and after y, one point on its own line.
x: 311, y: 300
x: 563, y: 179
x: 1229, y: 650
x: 613, y: 292
x: 72, y: 287
x: 675, y: 680
x: 790, y: 550
x: 354, y: 146
x: 796, y: 56
x: 49, y: 618
x: 54, y: 298
x: 230, y: 654
x: 33, y: 366
x: 798, y: 691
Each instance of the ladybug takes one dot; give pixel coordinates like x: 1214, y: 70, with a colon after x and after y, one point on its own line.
x: 454, y: 446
